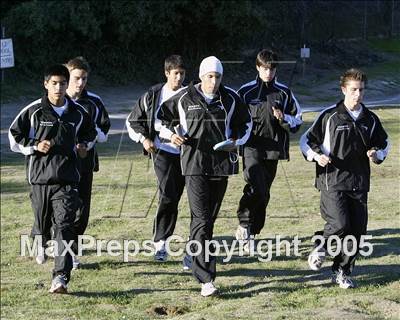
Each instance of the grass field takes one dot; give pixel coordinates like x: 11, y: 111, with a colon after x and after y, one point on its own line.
x: 284, y: 288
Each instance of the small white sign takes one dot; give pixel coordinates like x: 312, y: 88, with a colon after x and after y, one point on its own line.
x: 305, y: 52
x: 7, y: 54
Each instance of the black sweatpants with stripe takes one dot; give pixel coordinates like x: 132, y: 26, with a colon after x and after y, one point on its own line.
x: 345, y: 213
x: 171, y: 183
x: 205, y: 196
x: 259, y: 173
x: 85, y: 194
x: 56, y: 206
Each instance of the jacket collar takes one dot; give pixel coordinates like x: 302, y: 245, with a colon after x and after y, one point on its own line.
x: 84, y: 94
x: 46, y: 105
x: 265, y: 84
x: 194, y: 94
x: 156, y: 88
x: 342, y: 110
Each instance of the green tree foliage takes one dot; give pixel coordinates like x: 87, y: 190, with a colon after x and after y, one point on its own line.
x: 127, y: 40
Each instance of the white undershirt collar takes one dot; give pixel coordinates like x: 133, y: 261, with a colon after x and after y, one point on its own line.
x: 60, y: 110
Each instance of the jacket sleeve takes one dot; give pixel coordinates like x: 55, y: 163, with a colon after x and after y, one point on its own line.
x: 21, y: 134
x: 292, y: 113
x: 379, y: 140
x: 312, y: 139
x: 137, y: 122
x: 167, y: 117
x: 86, y: 132
x: 241, y: 123
x: 102, y: 121
x: 163, y: 131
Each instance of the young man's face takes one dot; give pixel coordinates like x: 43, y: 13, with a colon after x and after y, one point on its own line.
x: 77, y: 81
x: 56, y: 88
x: 210, y: 82
x: 265, y: 73
x: 175, y: 78
x: 353, y: 92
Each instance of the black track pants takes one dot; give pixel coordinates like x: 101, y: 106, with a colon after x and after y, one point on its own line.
x: 259, y: 175
x: 85, y: 193
x: 59, y: 205
x: 205, y: 196
x: 171, y: 183
x: 345, y: 213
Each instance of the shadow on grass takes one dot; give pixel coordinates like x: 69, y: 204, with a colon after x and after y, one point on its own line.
x: 110, y: 264
x: 166, y: 273
x: 265, y: 272
x: 14, y: 187
x: 375, y: 275
x: 384, y: 232
x: 123, y: 295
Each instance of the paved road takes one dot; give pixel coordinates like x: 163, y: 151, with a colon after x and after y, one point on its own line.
x: 120, y: 100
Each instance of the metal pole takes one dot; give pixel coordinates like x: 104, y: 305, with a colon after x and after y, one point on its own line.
x: 3, y: 35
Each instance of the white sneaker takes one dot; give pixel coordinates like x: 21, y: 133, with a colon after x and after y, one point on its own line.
x: 208, y: 289
x: 41, y: 256
x: 50, y: 251
x: 59, y: 284
x: 161, y: 254
x: 75, y: 263
x: 187, y: 262
x: 316, y: 259
x: 340, y: 278
x: 249, y: 245
x: 245, y: 239
x: 242, y: 233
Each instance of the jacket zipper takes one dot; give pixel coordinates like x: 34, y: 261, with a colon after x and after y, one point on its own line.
x: 30, y: 170
x: 326, y: 177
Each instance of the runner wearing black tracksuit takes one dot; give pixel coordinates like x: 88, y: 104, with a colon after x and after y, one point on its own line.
x: 203, y: 122
x: 50, y: 136
x: 343, y: 140
x: 142, y: 126
x: 79, y: 70
x: 94, y: 106
x: 275, y: 112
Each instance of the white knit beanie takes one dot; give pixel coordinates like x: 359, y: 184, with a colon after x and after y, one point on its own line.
x: 210, y: 64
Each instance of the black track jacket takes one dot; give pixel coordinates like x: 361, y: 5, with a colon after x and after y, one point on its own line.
x: 270, y: 136
x: 94, y: 106
x: 38, y: 121
x: 206, y: 124
x: 346, y: 141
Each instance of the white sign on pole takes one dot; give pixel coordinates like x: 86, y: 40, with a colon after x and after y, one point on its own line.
x: 7, y: 54
x: 305, y: 52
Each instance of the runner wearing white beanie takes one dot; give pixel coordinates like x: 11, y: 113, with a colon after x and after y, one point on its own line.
x: 209, y: 113
x: 210, y: 64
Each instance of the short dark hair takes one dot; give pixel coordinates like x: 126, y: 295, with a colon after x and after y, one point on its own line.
x: 56, y: 70
x: 352, y: 74
x: 174, y: 62
x: 78, y: 63
x: 267, y: 58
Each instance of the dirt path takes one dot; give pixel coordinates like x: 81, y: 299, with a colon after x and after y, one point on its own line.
x: 119, y: 101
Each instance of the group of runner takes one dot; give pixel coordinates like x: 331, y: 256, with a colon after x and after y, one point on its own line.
x: 195, y: 134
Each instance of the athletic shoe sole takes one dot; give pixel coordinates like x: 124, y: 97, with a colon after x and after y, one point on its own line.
x: 213, y: 293
x: 59, y: 289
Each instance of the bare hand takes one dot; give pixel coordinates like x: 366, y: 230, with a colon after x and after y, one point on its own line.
x: 82, y: 150
x: 323, y: 160
x: 372, y: 155
x: 278, y: 114
x: 177, y: 140
x: 149, y: 146
x: 44, y: 146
